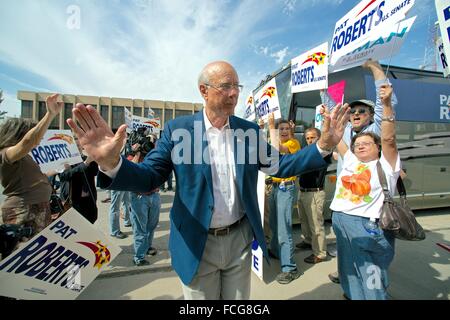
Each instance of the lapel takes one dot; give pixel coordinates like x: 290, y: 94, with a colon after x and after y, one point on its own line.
x: 197, y: 133
x: 239, y: 166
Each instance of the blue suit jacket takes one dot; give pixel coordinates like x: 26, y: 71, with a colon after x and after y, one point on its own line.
x: 193, y: 205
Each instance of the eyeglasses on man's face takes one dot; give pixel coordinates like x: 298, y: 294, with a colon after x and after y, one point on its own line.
x: 363, y: 144
x: 226, y: 87
x: 359, y: 110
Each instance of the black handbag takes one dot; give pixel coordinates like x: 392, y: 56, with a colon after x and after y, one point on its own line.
x: 397, y: 217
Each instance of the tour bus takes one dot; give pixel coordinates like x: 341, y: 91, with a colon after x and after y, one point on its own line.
x: 422, y: 123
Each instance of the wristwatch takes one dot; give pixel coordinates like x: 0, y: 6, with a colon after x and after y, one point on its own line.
x: 389, y: 118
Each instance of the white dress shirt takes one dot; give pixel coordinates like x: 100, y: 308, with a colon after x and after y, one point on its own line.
x: 227, y: 206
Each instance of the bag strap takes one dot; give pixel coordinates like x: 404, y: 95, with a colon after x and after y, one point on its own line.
x: 401, y: 188
x: 382, y: 177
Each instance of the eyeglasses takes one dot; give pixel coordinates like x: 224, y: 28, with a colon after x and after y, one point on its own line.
x: 363, y: 144
x: 359, y: 110
x: 226, y: 87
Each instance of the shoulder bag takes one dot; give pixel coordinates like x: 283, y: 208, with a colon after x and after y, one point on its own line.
x: 397, y: 217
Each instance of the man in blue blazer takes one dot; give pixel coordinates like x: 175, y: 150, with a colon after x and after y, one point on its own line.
x: 216, y: 157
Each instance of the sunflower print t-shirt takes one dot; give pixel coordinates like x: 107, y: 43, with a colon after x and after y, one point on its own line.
x: 358, y: 189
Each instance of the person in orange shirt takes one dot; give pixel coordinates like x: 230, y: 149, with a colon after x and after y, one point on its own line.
x: 281, y: 200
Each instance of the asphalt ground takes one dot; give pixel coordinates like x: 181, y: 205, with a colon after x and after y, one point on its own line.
x: 420, y: 270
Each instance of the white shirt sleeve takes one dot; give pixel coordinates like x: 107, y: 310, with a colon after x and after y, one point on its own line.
x: 323, y: 153
x: 113, y: 172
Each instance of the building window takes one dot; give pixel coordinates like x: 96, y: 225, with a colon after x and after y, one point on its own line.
x: 137, y: 111
x: 168, y: 115
x: 42, y: 110
x: 179, y: 113
x: 104, y: 112
x: 118, y: 117
x: 67, y: 114
x: 27, y: 109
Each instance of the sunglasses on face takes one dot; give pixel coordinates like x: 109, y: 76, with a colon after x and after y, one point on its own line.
x: 360, y: 111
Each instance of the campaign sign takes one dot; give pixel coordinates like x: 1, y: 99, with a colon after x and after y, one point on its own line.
x: 363, y: 21
x: 128, y: 119
x: 59, y: 262
x: 56, y: 149
x: 309, y: 71
x: 385, y: 43
x: 257, y: 253
x: 249, y: 113
x: 153, y: 124
x: 443, y: 13
x: 318, y: 119
x: 442, y: 57
x: 266, y: 101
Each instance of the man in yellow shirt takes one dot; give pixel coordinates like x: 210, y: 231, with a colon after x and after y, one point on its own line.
x: 281, y: 200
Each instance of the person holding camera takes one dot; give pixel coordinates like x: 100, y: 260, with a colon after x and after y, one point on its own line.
x: 26, y: 188
x: 145, y: 209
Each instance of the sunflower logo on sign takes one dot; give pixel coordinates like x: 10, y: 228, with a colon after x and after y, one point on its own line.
x: 270, y: 92
x: 102, y: 254
x: 318, y: 58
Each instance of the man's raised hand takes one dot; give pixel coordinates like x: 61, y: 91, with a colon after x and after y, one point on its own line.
x: 96, y: 137
x: 333, y: 126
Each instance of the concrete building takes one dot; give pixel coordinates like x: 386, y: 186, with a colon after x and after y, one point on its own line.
x: 111, y: 109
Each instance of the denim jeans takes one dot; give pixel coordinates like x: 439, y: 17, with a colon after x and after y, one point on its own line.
x: 118, y: 197
x: 363, y: 258
x: 145, y: 217
x: 280, y: 220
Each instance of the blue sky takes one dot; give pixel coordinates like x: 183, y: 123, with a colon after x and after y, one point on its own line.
x: 155, y: 49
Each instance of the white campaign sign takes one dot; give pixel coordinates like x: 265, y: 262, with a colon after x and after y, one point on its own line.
x: 443, y: 13
x: 249, y: 114
x: 318, y: 120
x: 365, y: 19
x: 153, y: 124
x: 128, y: 120
x: 309, y: 71
x: 385, y: 43
x: 257, y: 253
x: 56, y: 149
x: 59, y: 262
x: 266, y: 101
x: 442, y: 57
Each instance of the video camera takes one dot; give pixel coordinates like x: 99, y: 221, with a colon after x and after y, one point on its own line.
x: 10, y: 235
x: 140, y: 136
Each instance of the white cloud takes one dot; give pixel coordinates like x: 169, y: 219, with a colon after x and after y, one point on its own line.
x: 147, y: 49
x: 289, y: 6
x: 280, y: 55
x: 264, y: 50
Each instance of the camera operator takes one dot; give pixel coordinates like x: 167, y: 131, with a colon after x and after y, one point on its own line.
x: 145, y: 207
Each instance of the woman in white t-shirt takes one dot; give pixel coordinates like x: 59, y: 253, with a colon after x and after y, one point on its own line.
x: 365, y: 251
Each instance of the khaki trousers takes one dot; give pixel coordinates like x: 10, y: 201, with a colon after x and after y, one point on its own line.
x: 311, y: 217
x: 225, y: 269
